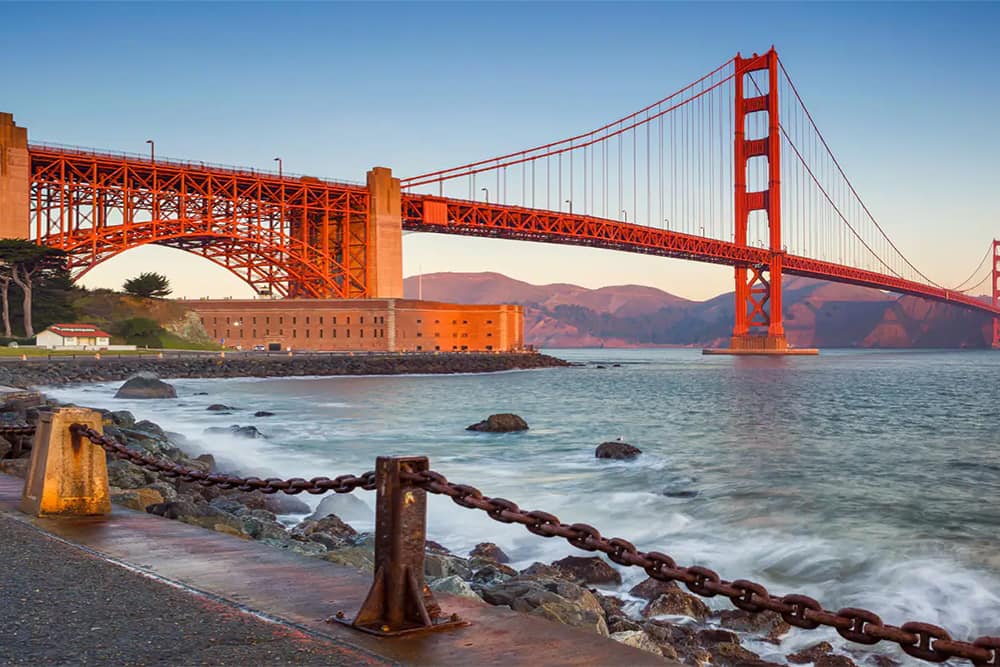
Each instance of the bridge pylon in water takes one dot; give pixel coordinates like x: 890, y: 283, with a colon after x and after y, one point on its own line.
x: 758, y: 326
x: 996, y: 293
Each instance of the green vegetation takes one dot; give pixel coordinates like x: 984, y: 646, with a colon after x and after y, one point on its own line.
x: 31, y: 269
x: 148, y: 285
x: 36, y: 291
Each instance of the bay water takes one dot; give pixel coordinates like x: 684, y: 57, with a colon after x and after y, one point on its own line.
x: 862, y: 478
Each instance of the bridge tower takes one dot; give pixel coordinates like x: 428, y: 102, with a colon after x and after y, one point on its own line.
x: 996, y: 293
x: 758, y: 287
x: 15, y: 179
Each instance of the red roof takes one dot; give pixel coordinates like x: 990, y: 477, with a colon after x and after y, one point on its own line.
x: 75, y: 330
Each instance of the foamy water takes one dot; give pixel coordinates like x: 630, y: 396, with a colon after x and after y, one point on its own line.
x: 867, y: 479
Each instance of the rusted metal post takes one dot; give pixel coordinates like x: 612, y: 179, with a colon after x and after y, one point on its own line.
x: 68, y: 475
x: 399, y: 602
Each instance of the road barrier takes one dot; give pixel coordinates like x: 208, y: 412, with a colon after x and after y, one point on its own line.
x: 399, y: 601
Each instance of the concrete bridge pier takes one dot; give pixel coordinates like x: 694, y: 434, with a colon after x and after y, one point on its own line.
x: 15, y: 179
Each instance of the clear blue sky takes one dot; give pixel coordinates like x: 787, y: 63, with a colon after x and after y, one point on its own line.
x: 907, y: 94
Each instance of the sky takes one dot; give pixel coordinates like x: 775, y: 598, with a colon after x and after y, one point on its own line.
x: 906, y: 95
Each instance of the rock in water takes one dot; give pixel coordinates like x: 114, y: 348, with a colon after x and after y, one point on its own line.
x: 588, y: 570
x: 501, y: 423
x: 489, y: 551
x: 144, y: 386
x: 617, y: 450
x: 347, y: 506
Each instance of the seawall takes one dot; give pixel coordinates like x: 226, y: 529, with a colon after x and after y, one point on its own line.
x: 35, y: 372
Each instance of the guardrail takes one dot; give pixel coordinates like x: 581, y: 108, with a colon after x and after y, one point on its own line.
x: 70, y: 446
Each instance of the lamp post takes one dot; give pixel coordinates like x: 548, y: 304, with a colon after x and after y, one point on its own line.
x: 152, y: 150
x: 625, y: 215
x: 570, y: 202
x: 487, y: 191
x: 278, y: 160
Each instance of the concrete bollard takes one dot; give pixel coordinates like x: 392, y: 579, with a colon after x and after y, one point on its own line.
x: 68, y: 475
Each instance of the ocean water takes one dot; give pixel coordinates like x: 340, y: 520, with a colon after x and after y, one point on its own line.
x: 862, y: 478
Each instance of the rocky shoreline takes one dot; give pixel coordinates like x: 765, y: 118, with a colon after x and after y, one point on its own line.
x: 584, y: 592
x: 56, y: 371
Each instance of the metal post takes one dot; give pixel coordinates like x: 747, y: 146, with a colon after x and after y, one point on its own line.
x: 399, y: 602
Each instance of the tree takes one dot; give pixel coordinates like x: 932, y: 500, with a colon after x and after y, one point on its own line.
x: 150, y: 285
x: 24, y: 263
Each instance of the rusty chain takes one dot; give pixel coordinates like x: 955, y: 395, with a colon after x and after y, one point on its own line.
x: 16, y: 428
x: 316, y: 485
x: 920, y: 640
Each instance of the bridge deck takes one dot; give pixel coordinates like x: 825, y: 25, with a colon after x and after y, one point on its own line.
x: 301, y: 592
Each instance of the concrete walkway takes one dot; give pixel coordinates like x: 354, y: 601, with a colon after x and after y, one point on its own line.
x: 136, y: 589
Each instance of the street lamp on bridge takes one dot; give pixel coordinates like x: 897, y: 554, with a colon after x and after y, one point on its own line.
x: 487, y: 191
x: 625, y: 214
x: 152, y: 150
x: 278, y: 160
x: 570, y: 202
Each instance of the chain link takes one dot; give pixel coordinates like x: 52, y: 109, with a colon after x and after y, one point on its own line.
x: 16, y: 428
x: 316, y: 485
x: 920, y: 640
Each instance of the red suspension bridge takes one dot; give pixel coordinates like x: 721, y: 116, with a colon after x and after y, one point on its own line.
x: 731, y: 169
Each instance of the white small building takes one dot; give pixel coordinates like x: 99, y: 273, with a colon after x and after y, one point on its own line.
x: 73, y: 336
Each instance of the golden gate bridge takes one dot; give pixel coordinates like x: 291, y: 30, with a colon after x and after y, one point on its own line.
x: 730, y: 169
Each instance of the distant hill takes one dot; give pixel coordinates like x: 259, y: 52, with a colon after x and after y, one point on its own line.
x: 817, y: 313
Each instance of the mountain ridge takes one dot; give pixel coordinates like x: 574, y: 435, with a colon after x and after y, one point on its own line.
x: 817, y: 314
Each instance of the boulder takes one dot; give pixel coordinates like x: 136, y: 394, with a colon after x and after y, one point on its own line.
x: 439, y: 566
x: 554, y: 599
x: 651, y: 589
x: 122, y: 418
x: 489, y: 551
x: 588, y: 570
x: 137, y: 499
x: 127, y: 475
x: 622, y: 623
x: 500, y: 423
x: 637, y: 639
x: 261, y: 528
x: 833, y: 660
x: 250, y: 432
x: 277, y: 503
x: 610, y: 605
x: 454, y: 585
x: 347, y: 506
x: 492, y: 574
x: 263, y: 413
x: 144, y: 386
x: 219, y: 407
x: 810, y: 653
x: 330, y: 525
x: 676, y: 602
x: 617, y: 450
x: 541, y: 570
x: 198, y: 514
x: 766, y: 624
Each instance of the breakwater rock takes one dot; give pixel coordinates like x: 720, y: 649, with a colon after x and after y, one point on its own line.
x: 659, y: 617
x: 56, y: 371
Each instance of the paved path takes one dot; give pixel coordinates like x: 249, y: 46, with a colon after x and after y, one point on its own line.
x: 65, y: 606
x: 54, y: 594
